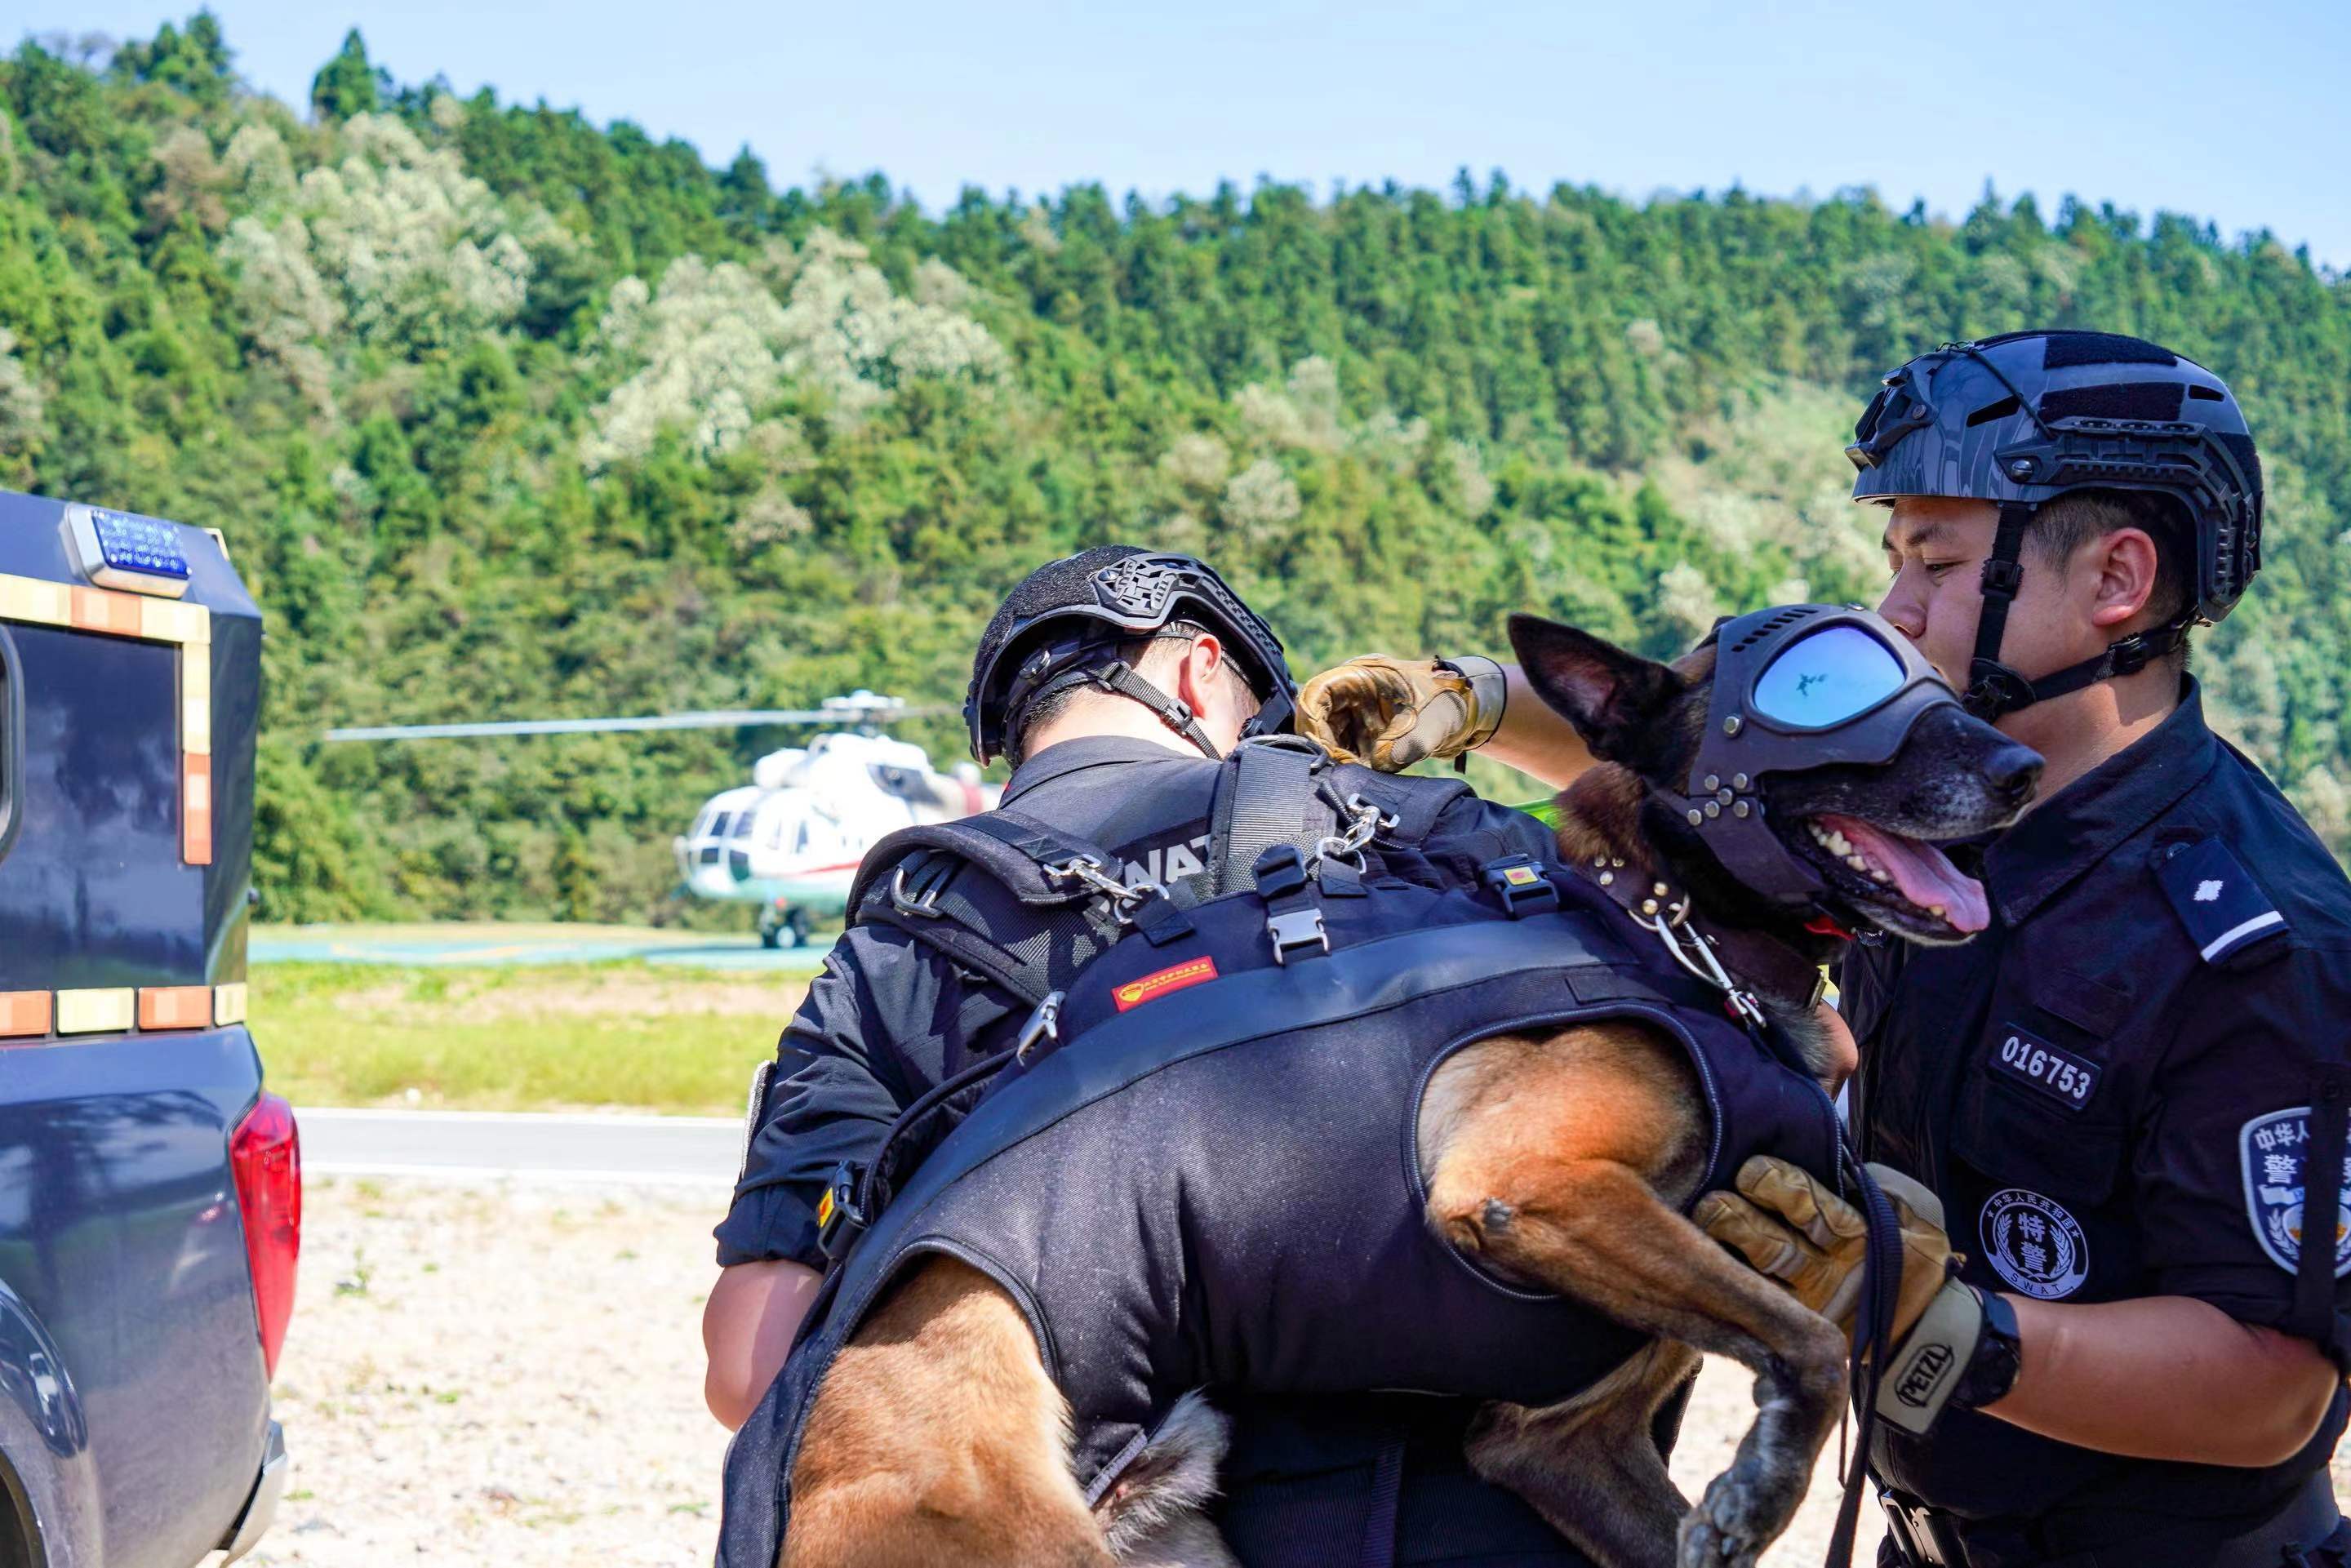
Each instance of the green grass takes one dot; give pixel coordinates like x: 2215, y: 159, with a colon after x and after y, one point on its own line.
x: 519, y: 1039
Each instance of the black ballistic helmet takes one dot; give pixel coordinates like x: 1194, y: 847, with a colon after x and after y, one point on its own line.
x: 1063, y: 626
x: 2022, y: 419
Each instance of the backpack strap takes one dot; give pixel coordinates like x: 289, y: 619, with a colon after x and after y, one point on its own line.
x: 1415, y: 802
x: 1014, y: 898
x: 1271, y: 792
x: 1016, y: 850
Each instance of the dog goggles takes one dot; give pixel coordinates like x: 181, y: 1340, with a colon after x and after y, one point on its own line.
x: 1799, y: 688
x: 1825, y: 677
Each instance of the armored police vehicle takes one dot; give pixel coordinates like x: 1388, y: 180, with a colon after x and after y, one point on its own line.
x: 150, y: 1191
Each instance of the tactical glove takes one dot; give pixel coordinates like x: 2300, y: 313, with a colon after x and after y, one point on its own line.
x: 1389, y: 713
x: 1793, y: 1229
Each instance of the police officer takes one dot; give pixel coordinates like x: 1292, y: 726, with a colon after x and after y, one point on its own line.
x: 2129, y: 1095
x: 1113, y: 680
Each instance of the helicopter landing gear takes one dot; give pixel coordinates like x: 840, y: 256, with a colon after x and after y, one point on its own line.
x: 775, y: 925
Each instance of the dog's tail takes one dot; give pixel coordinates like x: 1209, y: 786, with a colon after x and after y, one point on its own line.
x: 1168, y: 1485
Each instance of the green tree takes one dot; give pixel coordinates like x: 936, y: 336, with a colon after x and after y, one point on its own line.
x: 348, y: 84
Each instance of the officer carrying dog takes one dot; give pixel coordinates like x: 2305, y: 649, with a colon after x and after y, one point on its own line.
x: 1114, y: 681
x: 2130, y: 1094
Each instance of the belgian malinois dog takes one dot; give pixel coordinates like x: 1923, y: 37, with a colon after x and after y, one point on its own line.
x: 1563, y: 1161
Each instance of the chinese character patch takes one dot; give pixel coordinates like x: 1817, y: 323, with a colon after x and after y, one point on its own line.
x: 2274, y: 1150
x: 1152, y: 987
x: 2034, y: 1244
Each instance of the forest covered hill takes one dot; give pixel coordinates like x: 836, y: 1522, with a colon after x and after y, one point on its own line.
x: 505, y: 413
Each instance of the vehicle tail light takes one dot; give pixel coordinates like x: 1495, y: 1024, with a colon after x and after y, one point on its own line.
x: 264, y: 1156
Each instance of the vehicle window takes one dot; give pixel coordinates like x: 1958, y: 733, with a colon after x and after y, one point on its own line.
x: 719, y: 823
x: 800, y: 846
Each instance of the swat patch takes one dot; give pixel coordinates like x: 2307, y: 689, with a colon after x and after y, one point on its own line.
x: 2274, y: 1152
x: 2034, y: 1244
x: 2068, y: 1079
x: 2216, y: 899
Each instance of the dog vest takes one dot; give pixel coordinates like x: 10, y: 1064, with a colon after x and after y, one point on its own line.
x: 1206, y: 1170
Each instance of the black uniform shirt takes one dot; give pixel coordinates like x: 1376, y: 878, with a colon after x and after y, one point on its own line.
x: 2101, y: 1105
x: 889, y: 1016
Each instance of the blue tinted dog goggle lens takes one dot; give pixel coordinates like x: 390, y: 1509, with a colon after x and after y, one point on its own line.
x: 1827, y: 677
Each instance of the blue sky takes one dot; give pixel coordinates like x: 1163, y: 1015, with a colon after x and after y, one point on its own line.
x: 2237, y: 114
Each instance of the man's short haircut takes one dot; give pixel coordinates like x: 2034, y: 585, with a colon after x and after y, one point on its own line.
x: 2077, y: 517
x: 1141, y: 654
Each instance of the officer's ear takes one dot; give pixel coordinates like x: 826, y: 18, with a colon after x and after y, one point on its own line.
x: 1615, y: 700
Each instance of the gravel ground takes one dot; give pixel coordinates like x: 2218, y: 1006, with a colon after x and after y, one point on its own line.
x: 512, y: 1377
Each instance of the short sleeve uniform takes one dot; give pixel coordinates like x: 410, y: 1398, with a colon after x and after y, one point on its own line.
x: 2110, y: 1091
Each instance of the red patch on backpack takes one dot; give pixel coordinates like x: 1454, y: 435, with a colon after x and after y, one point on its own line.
x: 1150, y: 987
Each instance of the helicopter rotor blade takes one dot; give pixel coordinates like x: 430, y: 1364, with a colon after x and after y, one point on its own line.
x: 728, y: 718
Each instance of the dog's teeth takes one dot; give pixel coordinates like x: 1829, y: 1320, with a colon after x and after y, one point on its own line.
x: 1878, y: 875
x: 1937, y: 910
x: 1857, y: 862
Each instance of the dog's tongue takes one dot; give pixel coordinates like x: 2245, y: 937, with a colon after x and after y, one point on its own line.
x: 1924, y: 873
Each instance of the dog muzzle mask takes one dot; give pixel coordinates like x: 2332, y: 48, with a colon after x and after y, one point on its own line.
x: 1802, y: 687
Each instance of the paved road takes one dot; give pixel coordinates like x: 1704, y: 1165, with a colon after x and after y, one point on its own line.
x: 483, y: 1146
x: 501, y: 944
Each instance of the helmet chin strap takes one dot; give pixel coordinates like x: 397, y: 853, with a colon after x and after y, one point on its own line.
x: 1995, y: 688
x: 1174, y: 712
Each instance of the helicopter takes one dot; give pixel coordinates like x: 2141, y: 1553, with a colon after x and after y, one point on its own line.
x: 788, y: 842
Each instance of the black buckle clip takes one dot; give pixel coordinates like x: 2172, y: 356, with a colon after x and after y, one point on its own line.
x: 1279, y: 872
x: 2130, y: 655
x: 1919, y: 1536
x: 2003, y: 576
x: 1520, y: 882
x: 839, y: 1221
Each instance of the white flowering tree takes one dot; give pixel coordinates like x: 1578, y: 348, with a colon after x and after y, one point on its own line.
x: 391, y: 244
x: 709, y: 347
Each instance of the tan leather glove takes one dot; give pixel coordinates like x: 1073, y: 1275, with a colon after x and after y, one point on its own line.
x: 1389, y: 713
x: 1788, y: 1226
x: 1801, y: 1233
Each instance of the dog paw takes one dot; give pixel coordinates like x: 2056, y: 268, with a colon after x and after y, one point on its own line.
x: 1723, y: 1530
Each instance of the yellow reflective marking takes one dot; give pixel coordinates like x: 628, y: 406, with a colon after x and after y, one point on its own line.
x: 197, y: 699
x: 171, y: 621
x: 31, y: 599
x: 110, y: 1010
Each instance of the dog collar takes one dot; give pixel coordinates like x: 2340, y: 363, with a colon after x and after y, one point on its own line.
x: 1664, y: 909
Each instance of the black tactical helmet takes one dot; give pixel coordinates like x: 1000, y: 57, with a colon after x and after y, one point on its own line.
x: 1063, y: 626
x: 2022, y: 419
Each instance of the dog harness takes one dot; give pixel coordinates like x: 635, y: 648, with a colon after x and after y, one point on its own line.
x: 1202, y: 1166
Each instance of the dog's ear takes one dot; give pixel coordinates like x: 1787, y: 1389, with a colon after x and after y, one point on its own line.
x: 1614, y: 699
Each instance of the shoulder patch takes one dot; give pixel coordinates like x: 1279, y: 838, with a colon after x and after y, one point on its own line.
x: 2223, y: 909
x: 2274, y: 1151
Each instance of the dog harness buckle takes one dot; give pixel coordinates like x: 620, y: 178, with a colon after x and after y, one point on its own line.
x: 1521, y: 883
x: 839, y: 1221
x: 1292, y: 919
x: 1296, y: 928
